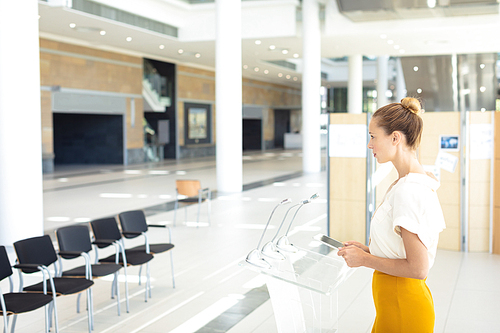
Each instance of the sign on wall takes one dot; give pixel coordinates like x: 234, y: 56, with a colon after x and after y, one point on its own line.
x: 347, y: 140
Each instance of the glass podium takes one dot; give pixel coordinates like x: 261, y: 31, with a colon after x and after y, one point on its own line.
x: 303, y: 287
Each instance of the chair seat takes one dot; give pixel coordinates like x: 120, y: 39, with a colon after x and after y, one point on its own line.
x: 64, y: 286
x: 133, y: 258
x: 97, y: 270
x: 24, y: 302
x: 192, y: 200
x: 153, y: 248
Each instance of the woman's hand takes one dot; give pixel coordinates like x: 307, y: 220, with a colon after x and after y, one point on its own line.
x: 353, y: 255
x: 358, y: 244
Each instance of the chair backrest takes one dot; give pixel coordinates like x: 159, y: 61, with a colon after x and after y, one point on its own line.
x: 188, y: 188
x: 133, y: 221
x: 5, y: 268
x: 74, y: 238
x: 105, y: 228
x: 35, y: 250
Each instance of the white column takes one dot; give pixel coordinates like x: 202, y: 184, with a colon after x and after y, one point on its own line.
x: 228, y: 97
x: 382, y: 80
x: 400, y: 81
x: 311, y: 84
x: 355, y: 84
x: 21, y: 189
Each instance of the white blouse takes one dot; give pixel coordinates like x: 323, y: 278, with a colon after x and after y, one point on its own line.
x: 412, y: 203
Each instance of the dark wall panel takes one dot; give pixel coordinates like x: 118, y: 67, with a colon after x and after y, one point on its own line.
x: 88, y: 139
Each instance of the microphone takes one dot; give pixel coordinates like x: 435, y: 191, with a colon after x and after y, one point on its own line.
x: 283, y: 243
x: 254, y: 256
x: 269, y: 249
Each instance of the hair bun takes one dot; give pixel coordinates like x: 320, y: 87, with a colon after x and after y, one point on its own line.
x: 412, y: 104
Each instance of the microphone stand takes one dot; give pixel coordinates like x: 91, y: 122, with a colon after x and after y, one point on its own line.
x: 283, y: 242
x: 254, y: 256
x: 269, y: 249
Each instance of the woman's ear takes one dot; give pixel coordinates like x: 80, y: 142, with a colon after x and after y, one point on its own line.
x: 396, y: 137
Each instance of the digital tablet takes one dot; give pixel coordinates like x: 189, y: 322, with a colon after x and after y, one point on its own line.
x: 329, y: 241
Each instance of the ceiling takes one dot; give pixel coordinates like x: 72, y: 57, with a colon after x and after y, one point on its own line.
x: 341, y: 36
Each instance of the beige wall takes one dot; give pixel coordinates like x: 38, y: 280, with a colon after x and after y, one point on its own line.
x: 198, y: 86
x: 78, y: 67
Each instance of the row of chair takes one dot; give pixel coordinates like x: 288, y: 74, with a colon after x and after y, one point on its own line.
x: 36, y: 254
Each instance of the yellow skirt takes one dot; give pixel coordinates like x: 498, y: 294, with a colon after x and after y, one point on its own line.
x: 403, y: 305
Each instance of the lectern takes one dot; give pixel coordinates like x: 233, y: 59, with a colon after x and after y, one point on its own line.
x: 303, y: 286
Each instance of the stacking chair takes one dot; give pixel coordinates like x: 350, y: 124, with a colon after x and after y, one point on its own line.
x: 106, y: 233
x: 73, y: 241
x: 133, y: 224
x: 191, y: 193
x: 15, y: 303
x: 40, y: 251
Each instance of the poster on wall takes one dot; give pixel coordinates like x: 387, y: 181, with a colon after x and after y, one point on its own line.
x: 446, y: 161
x: 198, y: 123
x: 347, y: 140
x: 449, y: 142
x: 481, y: 141
x: 197, y: 120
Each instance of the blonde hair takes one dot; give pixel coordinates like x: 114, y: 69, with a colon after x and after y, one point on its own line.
x: 403, y: 117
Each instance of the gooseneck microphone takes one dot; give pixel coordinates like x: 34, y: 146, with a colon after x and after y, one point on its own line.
x: 254, y: 256
x: 283, y: 242
x: 269, y: 249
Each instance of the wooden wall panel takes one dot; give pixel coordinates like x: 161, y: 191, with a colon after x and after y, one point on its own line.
x: 496, y: 187
x: 479, y: 193
x: 436, y: 124
x: 347, y: 189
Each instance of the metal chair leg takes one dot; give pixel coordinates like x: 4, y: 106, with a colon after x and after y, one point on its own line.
x: 175, y: 210
x: 172, y: 264
x: 140, y: 271
x: 117, y: 288
x: 78, y: 303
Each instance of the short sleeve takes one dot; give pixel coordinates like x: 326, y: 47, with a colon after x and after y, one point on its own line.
x: 409, y: 212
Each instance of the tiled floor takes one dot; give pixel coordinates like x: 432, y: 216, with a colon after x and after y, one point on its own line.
x: 213, y: 292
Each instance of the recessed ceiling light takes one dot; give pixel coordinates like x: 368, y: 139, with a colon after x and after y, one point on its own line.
x: 383, y: 36
x: 162, y: 47
x: 197, y: 55
x: 180, y: 51
x: 72, y: 25
x: 245, y: 66
x: 258, y: 42
x: 266, y: 71
x: 482, y: 66
x: 102, y: 32
x: 390, y: 41
x: 288, y: 76
x: 415, y: 68
x: 396, y: 47
x: 280, y: 74
x: 401, y: 51
x: 482, y: 89
x: 256, y: 69
x: 419, y: 90
x: 431, y: 3
x: 129, y: 39
x: 284, y: 51
x: 272, y: 47
x: 295, y: 78
x: 295, y: 55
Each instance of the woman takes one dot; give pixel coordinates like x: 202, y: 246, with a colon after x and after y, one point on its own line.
x: 405, y: 227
